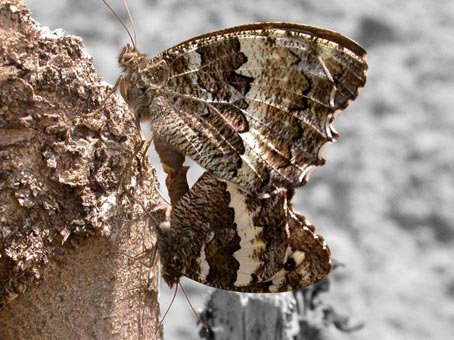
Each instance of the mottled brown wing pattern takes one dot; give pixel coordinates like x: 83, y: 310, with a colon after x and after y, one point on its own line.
x: 220, y: 236
x: 254, y: 104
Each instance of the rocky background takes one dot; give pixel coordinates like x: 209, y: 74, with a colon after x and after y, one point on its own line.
x: 384, y: 200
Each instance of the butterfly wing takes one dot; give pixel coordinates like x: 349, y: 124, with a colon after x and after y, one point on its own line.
x: 222, y: 237
x: 254, y: 104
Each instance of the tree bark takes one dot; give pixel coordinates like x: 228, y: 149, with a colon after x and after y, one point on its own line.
x: 78, y: 206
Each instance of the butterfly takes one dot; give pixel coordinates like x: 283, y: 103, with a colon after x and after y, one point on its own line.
x: 221, y: 236
x: 254, y: 106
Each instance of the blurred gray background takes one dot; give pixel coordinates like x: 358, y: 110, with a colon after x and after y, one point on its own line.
x: 384, y: 201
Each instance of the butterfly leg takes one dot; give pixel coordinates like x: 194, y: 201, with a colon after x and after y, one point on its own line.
x: 146, y: 146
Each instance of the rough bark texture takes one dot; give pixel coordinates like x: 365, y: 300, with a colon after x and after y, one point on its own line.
x: 74, y: 235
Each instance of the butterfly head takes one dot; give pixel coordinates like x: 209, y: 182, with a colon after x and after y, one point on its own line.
x: 141, y: 79
x: 131, y: 58
x: 132, y: 87
x: 171, y: 262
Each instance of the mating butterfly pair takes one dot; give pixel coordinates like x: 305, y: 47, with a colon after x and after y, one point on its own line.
x: 253, y: 105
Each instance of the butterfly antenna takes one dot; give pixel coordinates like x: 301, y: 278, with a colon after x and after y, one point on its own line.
x: 168, y: 309
x: 132, y: 23
x: 121, y: 22
x: 204, y: 325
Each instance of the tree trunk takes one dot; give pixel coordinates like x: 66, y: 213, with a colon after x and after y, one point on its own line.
x: 78, y: 206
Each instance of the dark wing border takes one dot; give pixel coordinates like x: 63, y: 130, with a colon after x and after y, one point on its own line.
x: 315, y: 31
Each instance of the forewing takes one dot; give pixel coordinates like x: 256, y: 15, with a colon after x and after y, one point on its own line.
x: 262, y: 97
